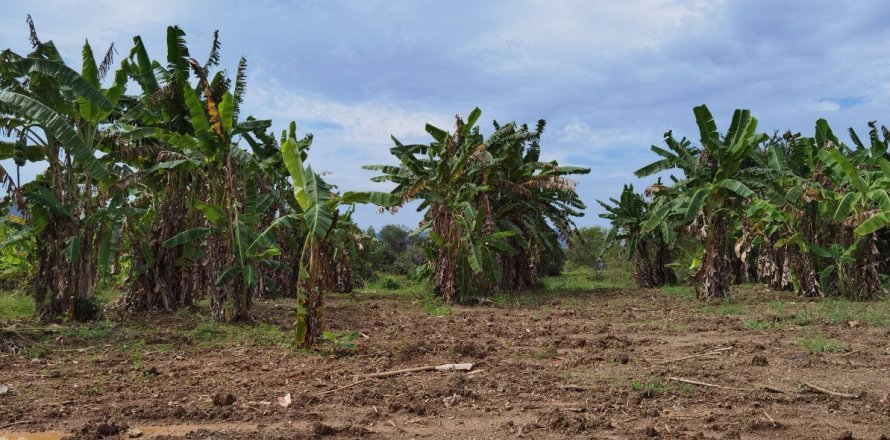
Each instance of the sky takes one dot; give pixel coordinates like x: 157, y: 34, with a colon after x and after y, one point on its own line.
x: 609, y: 77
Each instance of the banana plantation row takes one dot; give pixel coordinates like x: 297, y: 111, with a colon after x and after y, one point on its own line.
x: 156, y: 182
x: 795, y: 212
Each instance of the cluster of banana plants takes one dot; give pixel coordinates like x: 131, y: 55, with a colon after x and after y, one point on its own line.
x: 794, y: 212
x: 168, y: 192
x: 491, y: 207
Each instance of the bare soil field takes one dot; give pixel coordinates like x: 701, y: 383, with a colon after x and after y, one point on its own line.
x: 611, y: 364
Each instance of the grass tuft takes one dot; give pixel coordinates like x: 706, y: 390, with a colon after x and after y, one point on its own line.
x: 652, y: 386
x: 433, y: 304
x: 15, y: 305
x: 820, y: 345
x: 211, y: 333
x: 685, y: 292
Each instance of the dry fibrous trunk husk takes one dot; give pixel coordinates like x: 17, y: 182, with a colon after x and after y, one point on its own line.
x: 772, y: 266
x: 61, y: 287
x: 326, y: 268
x: 518, y: 271
x: 445, y: 278
x: 167, y: 284
x: 806, y: 281
x: 650, y: 266
x: 314, y: 288
x: 861, y: 279
x: 663, y: 257
x: 643, y: 273
x: 343, y: 275
x: 740, y: 270
x: 714, y: 278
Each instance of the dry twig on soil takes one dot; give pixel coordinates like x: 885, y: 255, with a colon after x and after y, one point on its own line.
x: 443, y: 367
x: 829, y: 392
x: 14, y: 423
x: 772, y: 389
x: 343, y: 387
x: 369, y: 377
x: 704, y: 384
x: 715, y: 351
x: 771, y: 420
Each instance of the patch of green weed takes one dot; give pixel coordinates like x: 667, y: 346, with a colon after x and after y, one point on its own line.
x: 16, y: 305
x: 755, y: 324
x: 580, y: 279
x: 433, y: 304
x: 725, y: 308
x: 212, y: 333
x: 341, y: 343
x: 547, y: 353
x: 652, y: 386
x: 820, y: 344
x: 685, y: 292
x: 842, y: 311
x: 90, y: 333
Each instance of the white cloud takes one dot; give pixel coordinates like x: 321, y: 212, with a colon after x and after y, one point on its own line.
x: 361, y: 122
x: 825, y: 105
x: 586, y: 138
x: 347, y: 135
x: 531, y: 33
x: 68, y: 23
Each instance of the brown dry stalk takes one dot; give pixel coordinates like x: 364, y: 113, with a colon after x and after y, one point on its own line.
x: 704, y: 384
x: 829, y: 392
x: 715, y: 351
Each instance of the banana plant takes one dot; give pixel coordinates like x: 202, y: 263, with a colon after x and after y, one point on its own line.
x: 450, y: 176
x: 59, y: 115
x: 233, y: 205
x: 536, y: 200
x: 709, y: 193
x: 650, y: 251
x: 179, y: 148
x: 785, y: 218
x: 320, y: 211
x: 860, y: 206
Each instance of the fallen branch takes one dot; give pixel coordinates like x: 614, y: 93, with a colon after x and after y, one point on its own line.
x: 331, y: 391
x: 771, y: 420
x: 773, y: 389
x: 710, y: 353
x: 846, y: 354
x: 83, y: 349
x: 443, y: 367
x: 369, y: 377
x: 704, y: 384
x: 14, y: 423
x: 829, y: 392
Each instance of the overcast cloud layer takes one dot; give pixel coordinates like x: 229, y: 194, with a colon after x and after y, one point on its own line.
x: 610, y: 78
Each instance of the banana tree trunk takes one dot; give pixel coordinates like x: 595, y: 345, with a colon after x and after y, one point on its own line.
x: 806, y: 282
x: 166, y: 283
x: 714, y: 277
x: 740, y: 270
x: 773, y: 266
x: 63, y: 288
x: 445, y: 278
x: 643, y: 273
x: 518, y: 271
x: 314, y: 299
x: 650, y: 266
x: 343, y: 275
x: 861, y: 280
